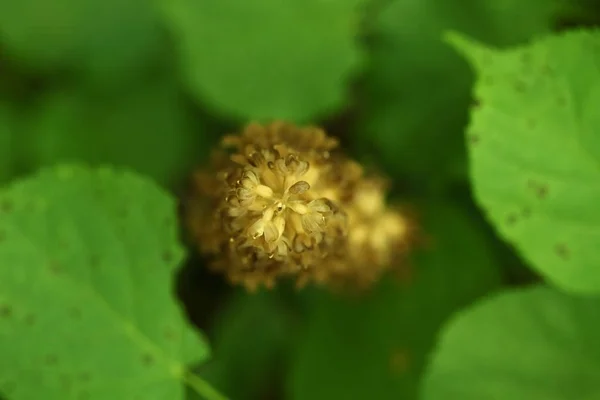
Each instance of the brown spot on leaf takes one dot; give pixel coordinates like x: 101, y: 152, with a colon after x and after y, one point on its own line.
x: 6, y: 206
x: 30, y: 320
x: 51, y: 359
x: 473, y: 138
x: 5, y: 311
x: 562, y: 251
x: 547, y: 70
x: 167, y: 256
x: 75, y: 313
x: 540, y: 189
x: 170, y: 334
x: 147, y: 359
x: 511, y: 219
x: 85, y: 377
x: 476, y: 103
x: 55, y: 267
x: 519, y: 86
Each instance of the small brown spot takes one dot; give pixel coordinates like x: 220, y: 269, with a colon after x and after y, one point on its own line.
x: 476, y: 103
x: 519, y: 86
x: 30, y: 320
x: 85, y: 377
x: 6, y: 206
x: 546, y: 69
x: 170, y: 335
x: 51, y: 359
x: 473, y: 138
x: 511, y: 219
x: 55, y: 267
x: 167, y: 256
x: 399, y: 362
x: 562, y: 251
x: 95, y: 261
x: 541, y: 191
x: 5, y: 311
x: 75, y: 313
x: 147, y: 359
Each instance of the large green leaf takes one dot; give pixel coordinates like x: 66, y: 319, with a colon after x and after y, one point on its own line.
x: 267, y: 59
x: 374, y: 346
x: 87, y: 259
x: 147, y: 129
x: 418, y: 90
x: 534, y: 145
x: 526, y: 344
x: 102, y: 38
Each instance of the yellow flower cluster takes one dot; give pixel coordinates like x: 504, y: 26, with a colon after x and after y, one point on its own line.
x: 280, y: 200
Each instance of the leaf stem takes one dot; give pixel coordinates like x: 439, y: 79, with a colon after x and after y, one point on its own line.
x: 202, y: 387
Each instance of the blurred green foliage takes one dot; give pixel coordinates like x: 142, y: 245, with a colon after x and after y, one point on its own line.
x: 534, y: 343
x: 150, y: 86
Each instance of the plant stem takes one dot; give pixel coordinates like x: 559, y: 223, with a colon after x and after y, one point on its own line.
x: 202, y: 387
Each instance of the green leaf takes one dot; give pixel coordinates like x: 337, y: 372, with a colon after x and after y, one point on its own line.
x: 103, y: 38
x: 418, y: 90
x: 267, y: 59
x: 525, y: 344
x: 87, y: 259
x: 534, y: 147
x: 374, y: 347
x: 146, y: 129
x: 244, y: 364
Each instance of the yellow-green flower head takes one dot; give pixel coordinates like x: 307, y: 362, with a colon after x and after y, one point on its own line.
x: 280, y: 201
